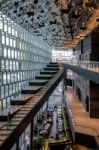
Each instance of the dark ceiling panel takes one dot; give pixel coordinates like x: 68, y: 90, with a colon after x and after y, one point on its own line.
x: 38, y: 17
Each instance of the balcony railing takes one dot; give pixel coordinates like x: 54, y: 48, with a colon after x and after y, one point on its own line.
x: 90, y: 65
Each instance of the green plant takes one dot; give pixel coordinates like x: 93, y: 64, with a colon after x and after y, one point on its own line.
x: 39, y: 141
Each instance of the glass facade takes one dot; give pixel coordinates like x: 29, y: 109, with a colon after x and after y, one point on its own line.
x: 22, y: 56
x: 62, y: 55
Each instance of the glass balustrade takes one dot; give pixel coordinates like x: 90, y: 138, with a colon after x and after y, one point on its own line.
x: 90, y: 65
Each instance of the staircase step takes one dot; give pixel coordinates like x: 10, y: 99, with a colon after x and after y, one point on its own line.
x: 52, y: 68
x: 44, y: 77
x: 17, y: 119
x: 20, y: 99
x: 48, y: 72
x: 3, y: 137
x: 31, y: 90
x: 52, y: 65
x: 5, y: 132
x: 19, y: 116
x: 13, y: 123
x: 38, y: 82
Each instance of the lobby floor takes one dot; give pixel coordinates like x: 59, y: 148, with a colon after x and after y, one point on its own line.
x: 83, y: 123
x: 80, y: 147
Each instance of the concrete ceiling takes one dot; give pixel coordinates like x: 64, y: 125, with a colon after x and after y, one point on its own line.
x: 41, y: 17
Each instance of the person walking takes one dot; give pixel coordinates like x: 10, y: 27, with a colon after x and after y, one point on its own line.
x: 9, y: 119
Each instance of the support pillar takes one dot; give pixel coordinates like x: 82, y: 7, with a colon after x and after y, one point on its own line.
x: 65, y: 77
x: 17, y: 145
x: 31, y: 135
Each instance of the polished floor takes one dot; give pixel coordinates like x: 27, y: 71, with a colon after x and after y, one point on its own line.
x: 83, y: 123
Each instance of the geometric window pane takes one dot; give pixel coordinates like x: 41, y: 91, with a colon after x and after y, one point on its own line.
x: 5, y: 52
x: 3, y: 39
x: 9, y: 53
x: 4, y: 103
x: 8, y: 78
x: 7, y: 40
x: 6, y: 90
x: 2, y: 91
x: 7, y: 65
x: 4, y: 78
x: 12, y: 53
x: 2, y: 65
x: 14, y: 88
x: 5, y: 27
x: 17, y: 87
x: 1, y: 24
x: 8, y: 101
x: 10, y: 89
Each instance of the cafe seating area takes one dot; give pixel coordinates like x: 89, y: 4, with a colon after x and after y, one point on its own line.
x: 60, y: 127
x: 48, y: 125
x: 46, y: 121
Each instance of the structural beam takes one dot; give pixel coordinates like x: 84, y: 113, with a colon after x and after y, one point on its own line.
x: 90, y: 75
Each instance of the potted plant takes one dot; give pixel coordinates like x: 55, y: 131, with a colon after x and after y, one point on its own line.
x: 38, y: 142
